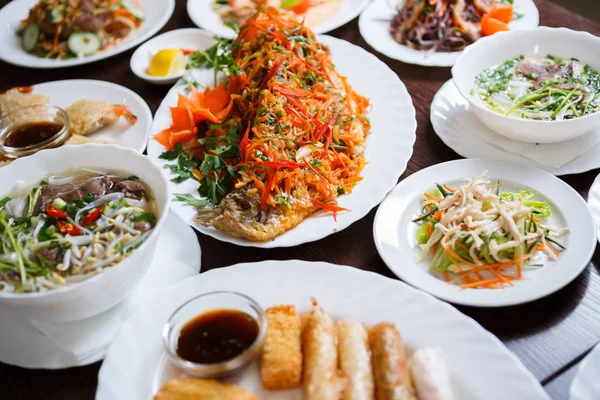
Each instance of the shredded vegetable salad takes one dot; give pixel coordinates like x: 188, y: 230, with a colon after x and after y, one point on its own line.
x: 68, y: 228
x: 544, y: 88
x: 77, y: 28
x: 482, y: 238
x: 448, y: 25
x: 293, y: 139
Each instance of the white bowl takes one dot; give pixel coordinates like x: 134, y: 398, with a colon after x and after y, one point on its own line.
x: 495, y: 49
x: 105, y: 290
x: 190, y: 38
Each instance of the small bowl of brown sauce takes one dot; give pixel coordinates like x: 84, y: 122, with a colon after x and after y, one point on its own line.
x: 216, y: 334
x: 30, y: 129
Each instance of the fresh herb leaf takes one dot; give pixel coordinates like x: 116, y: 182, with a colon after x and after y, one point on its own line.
x: 171, y: 155
x: 4, y: 201
x: 315, y: 162
x: 217, y: 57
x: 191, y: 200
x: 143, y: 217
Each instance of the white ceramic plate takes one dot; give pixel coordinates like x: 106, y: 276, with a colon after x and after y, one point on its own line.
x: 594, y: 202
x: 388, y: 147
x: 204, y: 15
x: 585, y: 385
x: 26, y: 347
x: 396, y: 242
x: 189, y: 39
x: 457, y: 126
x: 64, y: 93
x: 480, y: 366
x: 157, y: 12
x: 374, y: 26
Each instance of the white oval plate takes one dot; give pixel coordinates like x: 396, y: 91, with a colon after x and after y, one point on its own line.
x: 593, y: 202
x: 158, y: 12
x: 388, y: 147
x: 585, y: 385
x: 396, y: 242
x: 203, y: 14
x: 374, y: 26
x: 480, y: 366
x: 189, y: 39
x: 460, y: 129
x: 25, y: 346
x: 135, y: 137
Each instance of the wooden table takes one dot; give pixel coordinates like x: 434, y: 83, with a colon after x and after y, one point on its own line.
x: 550, y: 335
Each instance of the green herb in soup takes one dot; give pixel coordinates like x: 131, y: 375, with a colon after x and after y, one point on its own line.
x: 544, y: 88
x: 66, y: 229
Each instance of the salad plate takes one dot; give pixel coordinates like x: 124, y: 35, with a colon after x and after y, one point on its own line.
x: 585, y: 385
x: 136, y: 364
x: 26, y: 346
x: 458, y: 127
x: 204, y: 15
x: 593, y: 201
x: 387, y: 148
x: 156, y: 13
x: 374, y: 25
x: 523, y: 190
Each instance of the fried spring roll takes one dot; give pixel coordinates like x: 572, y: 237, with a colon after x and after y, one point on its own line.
x: 319, y: 343
x: 281, y: 360
x: 355, y: 360
x: 430, y: 375
x: 202, y: 389
x: 392, y: 377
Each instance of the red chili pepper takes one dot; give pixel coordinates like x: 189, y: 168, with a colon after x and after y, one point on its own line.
x: 94, y: 215
x: 187, y: 52
x: 244, y: 143
x: 68, y: 228
x: 268, y: 187
x: 276, y: 164
x: 297, y: 92
x: 329, y: 207
x: 272, y: 71
x: 54, y: 212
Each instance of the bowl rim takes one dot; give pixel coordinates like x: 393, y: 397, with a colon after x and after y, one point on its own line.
x: 224, y: 367
x: 490, y: 39
x: 164, y: 211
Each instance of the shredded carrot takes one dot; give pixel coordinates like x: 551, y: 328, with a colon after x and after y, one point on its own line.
x: 431, y: 197
x: 448, y: 188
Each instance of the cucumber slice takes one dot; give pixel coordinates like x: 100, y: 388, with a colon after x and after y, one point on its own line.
x: 84, y: 43
x: 134, y: 9
x: 31, y: 35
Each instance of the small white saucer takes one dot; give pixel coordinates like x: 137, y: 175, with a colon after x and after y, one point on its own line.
x: 189, y: 39
x: 459, y: 128
x: 25, y: 346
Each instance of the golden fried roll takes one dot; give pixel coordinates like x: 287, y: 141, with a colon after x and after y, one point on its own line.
x: 392, y: 376
x: 319, y: 343
x: 202, y: 389
x: 355, y: 360
x: 281, y: 360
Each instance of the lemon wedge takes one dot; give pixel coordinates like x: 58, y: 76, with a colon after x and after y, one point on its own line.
x: 167, y: 62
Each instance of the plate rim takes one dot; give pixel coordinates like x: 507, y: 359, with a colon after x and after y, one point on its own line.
x: 170, y: 7
x: 453, y: 298
x: 400, y: 168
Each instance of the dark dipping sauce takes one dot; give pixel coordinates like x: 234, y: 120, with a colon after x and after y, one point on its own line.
x: 31, y: 134
x: 216, y: 336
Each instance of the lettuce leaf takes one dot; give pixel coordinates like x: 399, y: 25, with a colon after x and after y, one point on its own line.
x: 541, y: 208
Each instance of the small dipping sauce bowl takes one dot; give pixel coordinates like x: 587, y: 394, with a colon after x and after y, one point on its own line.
x: 215, y: 334
x: 27, y: 130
